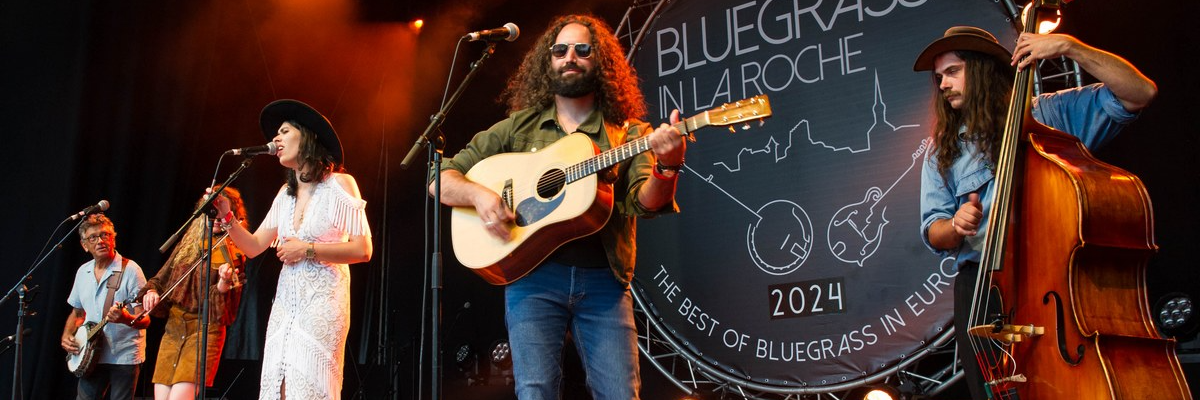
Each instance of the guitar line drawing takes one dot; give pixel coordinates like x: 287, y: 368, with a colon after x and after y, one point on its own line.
x: 855, y: 231
x: 781, y: 236
x: 776, y: 254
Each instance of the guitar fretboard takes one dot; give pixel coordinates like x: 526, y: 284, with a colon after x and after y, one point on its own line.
x: 628, y: 150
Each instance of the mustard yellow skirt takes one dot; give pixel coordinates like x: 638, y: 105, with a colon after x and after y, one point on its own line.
x: 177, y: 351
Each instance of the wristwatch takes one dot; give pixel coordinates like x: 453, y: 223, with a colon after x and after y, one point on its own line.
x: 660, y: 167
x: 311, y: 252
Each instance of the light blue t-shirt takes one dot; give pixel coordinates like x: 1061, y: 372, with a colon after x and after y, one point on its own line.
x: 122, y: 344
x: 1092, y: 113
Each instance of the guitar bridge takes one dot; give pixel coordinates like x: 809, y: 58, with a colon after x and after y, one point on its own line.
x: 507, y: 195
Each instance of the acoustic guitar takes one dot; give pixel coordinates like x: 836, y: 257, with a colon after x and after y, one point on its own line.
x: 557, y: 196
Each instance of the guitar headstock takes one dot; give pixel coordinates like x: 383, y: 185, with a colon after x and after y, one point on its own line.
x: 741, y: 112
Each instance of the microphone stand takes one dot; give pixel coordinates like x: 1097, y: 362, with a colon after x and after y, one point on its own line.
x: 24, y: 297
x: 209, y: 210
x: 435, y: 259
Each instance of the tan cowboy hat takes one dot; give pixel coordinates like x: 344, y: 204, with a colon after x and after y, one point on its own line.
x: 280, y: 111
x: 967, y: 38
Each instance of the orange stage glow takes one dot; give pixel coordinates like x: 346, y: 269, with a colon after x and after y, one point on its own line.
x: 417, y: 24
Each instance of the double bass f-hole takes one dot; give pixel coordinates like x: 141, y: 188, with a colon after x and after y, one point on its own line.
x: 1062, y: 340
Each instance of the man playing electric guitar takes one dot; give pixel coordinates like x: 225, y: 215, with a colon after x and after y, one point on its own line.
x: 575, y: 81
x: 108, y: 277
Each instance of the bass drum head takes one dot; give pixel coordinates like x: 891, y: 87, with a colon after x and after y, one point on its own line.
x: 797, y: 264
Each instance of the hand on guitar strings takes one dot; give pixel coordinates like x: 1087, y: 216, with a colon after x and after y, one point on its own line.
x: 668, y: 143
x: 118, y: 314
x: 1032, y: 47
x: 494, y: 214
x: 68, y: 344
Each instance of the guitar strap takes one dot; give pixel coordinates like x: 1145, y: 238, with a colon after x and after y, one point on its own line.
x: 114, y: 280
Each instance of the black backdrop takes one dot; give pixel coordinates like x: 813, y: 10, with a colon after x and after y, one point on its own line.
x: 134, y: 101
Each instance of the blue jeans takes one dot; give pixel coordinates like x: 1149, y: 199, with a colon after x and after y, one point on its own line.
x: 598, y: 312
x: 118, y: 380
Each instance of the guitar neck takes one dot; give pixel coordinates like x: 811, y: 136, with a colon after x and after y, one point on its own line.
x: 629, y: 150
x: 103, y: 321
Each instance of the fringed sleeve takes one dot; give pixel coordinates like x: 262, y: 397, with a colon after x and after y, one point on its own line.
x: 271, y: 221
x: 350, y: 214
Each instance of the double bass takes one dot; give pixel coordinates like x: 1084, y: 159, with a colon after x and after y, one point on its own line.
x: 1066, y: 251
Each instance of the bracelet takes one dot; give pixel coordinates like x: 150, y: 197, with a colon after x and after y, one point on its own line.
x: 227, y: 222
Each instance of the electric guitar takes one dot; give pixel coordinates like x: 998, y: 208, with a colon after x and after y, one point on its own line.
x: 88, y: 337
x: 557, y: 196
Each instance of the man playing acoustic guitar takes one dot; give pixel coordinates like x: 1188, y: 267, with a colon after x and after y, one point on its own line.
x: 574, y: 81
x: 109, y: 278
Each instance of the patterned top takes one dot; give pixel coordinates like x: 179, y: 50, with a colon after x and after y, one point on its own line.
x: 310, y: 317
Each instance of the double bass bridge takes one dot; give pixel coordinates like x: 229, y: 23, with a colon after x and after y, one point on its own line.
x: 1006, y: 333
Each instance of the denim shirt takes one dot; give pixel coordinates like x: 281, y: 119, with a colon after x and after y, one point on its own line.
x: 1092, y: 113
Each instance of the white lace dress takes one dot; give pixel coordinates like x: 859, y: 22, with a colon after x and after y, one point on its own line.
x: 310, y: 317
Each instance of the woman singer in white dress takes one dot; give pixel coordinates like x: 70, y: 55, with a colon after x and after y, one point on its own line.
x: 318, y: 226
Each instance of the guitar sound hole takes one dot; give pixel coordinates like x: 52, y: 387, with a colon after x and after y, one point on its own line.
x: 551, y: 183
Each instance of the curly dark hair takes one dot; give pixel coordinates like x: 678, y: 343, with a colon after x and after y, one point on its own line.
x: 988, y: 90
x: 312, y: 153
x: 618, y: 96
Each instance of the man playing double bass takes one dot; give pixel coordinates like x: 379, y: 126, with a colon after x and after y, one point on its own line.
x: 974, y: 76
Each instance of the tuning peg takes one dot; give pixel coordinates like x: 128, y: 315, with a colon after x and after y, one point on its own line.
x: 761, y: 121
x: 731, y: 130
x: 745, y: 126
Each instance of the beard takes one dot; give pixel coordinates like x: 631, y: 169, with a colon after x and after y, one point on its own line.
x: 574, y: 86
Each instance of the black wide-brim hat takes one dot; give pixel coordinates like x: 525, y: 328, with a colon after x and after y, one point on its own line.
x: 957, y: 38
x: 280, y: 111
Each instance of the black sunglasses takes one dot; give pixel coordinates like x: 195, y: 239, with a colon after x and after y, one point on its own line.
x: 582, y: 50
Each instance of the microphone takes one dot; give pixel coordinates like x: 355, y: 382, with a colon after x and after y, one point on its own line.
x: 13, y: 337
x: 92, y: 209
x: 270, y: 148
x: 508, y: 32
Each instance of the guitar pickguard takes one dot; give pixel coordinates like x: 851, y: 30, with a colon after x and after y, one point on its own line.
x: 532, y: 210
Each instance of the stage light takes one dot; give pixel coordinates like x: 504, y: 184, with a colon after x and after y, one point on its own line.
x: 501, y: 354
x: 501, y: 371
x: 1175, y: 315
x: 467, y: 363
x: 874, y: 392
x: 417, y: 24
x: 1047, y: 23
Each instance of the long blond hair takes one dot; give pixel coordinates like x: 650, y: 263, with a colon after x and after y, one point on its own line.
x: 192, y: 245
